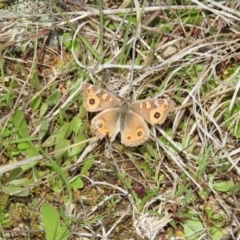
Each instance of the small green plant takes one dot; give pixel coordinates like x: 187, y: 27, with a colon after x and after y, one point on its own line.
x: 54, y: 228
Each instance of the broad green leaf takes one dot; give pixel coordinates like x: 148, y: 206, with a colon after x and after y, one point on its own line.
x: 193, y: 228
x: 23, y: 146
x: 15, y: 173
x: 51, y: 221
x: 77, y: 183
x: 223, y: 186
x: 60, y: 146
x: 76, y: 124
x: 43, y: 109
x: 217, y: 216
x: 54, y: 98
x: 62, y: 133
x: 21, y: 182
x: 35, y: 103
x: 152, y: 151
x: 15, y: 191
x: 43, y: 128
x: 87, y: 165
x: 67, y: 41
x: 20, y: 123
x: 16, y: 152
x: 235, y: 188
x: 216, y: 233
x: 209, y: 210
x: 31, y: 152
x: 63, y: 233
x: 78, y: 149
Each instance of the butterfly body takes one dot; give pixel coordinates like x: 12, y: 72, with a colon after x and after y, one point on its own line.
x: 122, y: 116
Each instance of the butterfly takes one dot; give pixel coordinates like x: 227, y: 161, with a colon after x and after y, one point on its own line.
x: 122, y: 116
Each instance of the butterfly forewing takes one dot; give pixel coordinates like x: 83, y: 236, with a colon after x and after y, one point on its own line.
x: 96, y: 99
x: 154, y: 111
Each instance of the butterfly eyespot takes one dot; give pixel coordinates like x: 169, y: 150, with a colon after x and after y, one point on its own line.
x: 157, y: 115
x: 139, y: 133
x: 92, y: 101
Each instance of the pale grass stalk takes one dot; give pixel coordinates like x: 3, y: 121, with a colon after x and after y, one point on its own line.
x: 125, y: 193
x: 11, y: 166
x: 224, y: 15
x: 135, y: 38
x: 174, y: 157
x: 148, y: 225
x: 236, y: 160
x: 122, y: 216
x: 175, y: 181
x: 234, y: 97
